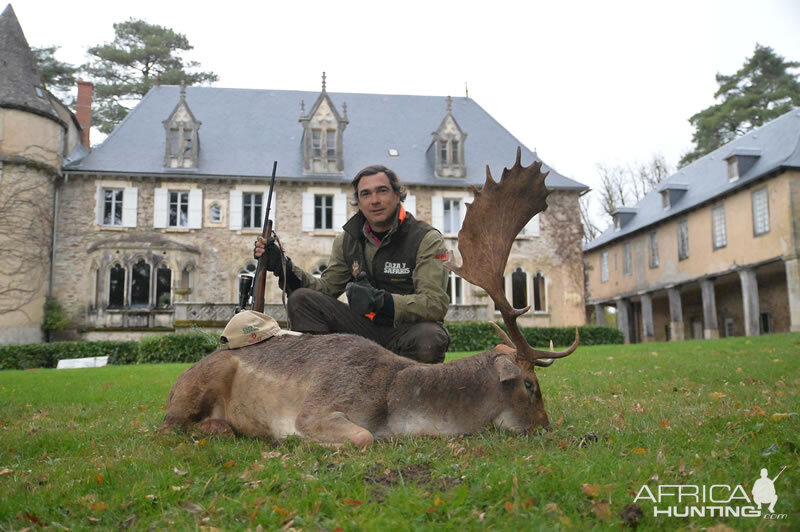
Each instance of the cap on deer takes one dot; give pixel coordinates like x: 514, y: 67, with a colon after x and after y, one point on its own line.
x: 250, y: 327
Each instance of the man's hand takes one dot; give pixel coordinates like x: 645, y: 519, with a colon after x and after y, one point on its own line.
x: 363, y: 297
x: 273, y: 258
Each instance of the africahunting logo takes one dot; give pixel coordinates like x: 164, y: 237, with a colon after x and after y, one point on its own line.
x: 250, y: 329
x: 718, y: 500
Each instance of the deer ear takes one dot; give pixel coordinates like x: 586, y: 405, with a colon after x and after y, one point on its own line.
x: 506, y: 369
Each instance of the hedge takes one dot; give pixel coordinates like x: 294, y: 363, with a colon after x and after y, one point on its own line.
x: 479, y: 336
x: 191, y: 347
x: 27, y: 356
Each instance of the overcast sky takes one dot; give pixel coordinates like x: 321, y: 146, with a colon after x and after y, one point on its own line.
x: 583, y: 83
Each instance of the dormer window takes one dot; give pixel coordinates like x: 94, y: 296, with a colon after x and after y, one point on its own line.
x: 448, y: 143
x: 323, y: 128
x: 617, y: 223
x: 733, y: 169
x: 665, y: 199
x: 182, y: 144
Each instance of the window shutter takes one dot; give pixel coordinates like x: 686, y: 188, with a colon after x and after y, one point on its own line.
x: 410, y: 205
x: 308, y: 211
x: 273, y: 208
x: 437, y: 213
x: 339, y: 211
x: 99, y: 201
x: 196, y: 208
x: 130, y: 202
x: 160, y: 207
x: 235, y: 211
x: 532, y: 227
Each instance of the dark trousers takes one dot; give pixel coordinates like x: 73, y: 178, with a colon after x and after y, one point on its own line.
x: 316, y: 313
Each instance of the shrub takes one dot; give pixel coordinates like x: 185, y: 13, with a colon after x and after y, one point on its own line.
x: 25, y: 356
x: 55, y: 317
x: 188, y: 347
x: 479, y: 336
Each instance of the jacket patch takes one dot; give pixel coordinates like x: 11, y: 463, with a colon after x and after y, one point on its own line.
x: 396, y: 268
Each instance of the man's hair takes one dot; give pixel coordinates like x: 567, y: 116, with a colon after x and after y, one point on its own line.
x: 377, y: 169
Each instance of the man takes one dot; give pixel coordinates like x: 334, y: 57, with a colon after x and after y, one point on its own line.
x: 391, y: 266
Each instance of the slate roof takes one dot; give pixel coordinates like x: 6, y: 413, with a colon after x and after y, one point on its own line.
x: 19, y: 76
x: 244, y: 130
x: 777, y: 144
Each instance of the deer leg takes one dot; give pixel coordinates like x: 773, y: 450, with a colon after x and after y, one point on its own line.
x: 332, y: 427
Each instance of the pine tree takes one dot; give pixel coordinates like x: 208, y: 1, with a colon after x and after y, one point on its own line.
x: 763, y: 89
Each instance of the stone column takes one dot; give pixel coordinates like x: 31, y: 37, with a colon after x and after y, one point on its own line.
x: 648, y: 331
x: 600, y: 314
x: 623, y: 318
x: 793, y: 290
x: 750, y: 302
x: 710, y: 325
x: 675, y: 314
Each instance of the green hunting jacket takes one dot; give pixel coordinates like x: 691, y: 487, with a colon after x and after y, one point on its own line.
x: 428, y: 302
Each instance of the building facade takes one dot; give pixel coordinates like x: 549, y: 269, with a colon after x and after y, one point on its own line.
x: 150, y: 230
x: 162, y: 216
x: 713, y: 251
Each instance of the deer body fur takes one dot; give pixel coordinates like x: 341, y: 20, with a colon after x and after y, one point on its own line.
x: 338, y: 388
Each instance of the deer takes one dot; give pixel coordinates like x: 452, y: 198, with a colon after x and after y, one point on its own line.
x: 340, y: 388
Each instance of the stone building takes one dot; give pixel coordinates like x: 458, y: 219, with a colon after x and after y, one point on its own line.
x: 153, y: 227
x: 38, y: 135
x: 713, y: 251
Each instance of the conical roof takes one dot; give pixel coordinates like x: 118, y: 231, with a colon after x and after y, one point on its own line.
x: 20, y: 83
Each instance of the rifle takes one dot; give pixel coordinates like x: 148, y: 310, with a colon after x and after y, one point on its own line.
x: 260, y: 279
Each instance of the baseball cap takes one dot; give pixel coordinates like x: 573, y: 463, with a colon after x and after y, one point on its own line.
x: 250, y: 327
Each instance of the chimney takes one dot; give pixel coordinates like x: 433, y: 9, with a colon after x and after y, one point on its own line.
x: 83, y: 109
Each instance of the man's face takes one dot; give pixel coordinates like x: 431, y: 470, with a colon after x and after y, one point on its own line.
x: 377, y: 201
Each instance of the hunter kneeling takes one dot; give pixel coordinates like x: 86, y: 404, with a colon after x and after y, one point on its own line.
x: 391, y: 267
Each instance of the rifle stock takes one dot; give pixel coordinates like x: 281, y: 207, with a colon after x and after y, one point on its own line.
x: 260, y: 280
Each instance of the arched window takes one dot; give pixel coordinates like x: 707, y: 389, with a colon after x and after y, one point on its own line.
x: 116, y: 286
x: 140, y: 284
x: 455, y: 289
x: 163, y: 286
x: 248, y: 269
x: 319, y: 269
x: 98, y: 296
x: 519, y: 289
x: 539, y: 293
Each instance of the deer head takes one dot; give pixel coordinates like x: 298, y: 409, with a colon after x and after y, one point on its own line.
x: 493, y: 220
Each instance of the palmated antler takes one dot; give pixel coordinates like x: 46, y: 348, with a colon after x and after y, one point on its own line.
x: 494, y: 219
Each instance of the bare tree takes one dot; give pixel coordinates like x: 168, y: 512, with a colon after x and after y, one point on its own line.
x: 590, y: 228
x: 26, y: 221
x: 622, y: 186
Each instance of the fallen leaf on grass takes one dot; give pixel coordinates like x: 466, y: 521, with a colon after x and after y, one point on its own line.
x: 6, y: 472
x: 229, y: 464
x: 639, y: 450
x: 717, y: 395
x: 179, y: 472
x: 602, y: 510
x: 353, y: 502
x: 757, y: 411
x: 93, y: 520
x: 664, y: 423
x: 273, y: 454
x: 201, y: 443
x: 33, y: 519
x: 509, y: 507
x: 99, y: 478
x: 192, y: 508
x: 781, y: 416
x: 638, y: 408
x: 590, y: 490
x: 128, y: 522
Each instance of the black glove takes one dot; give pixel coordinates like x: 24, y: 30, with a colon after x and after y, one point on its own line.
x: 363, y: 297
x: 292, y: 282
x: 273, y: 262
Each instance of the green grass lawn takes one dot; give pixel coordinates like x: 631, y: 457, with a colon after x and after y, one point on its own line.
x: 81, y: 448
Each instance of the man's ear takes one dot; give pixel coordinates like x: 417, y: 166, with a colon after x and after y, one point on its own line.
x: 506, y: 369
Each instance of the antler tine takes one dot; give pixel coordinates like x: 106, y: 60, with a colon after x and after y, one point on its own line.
x: 502, y: 334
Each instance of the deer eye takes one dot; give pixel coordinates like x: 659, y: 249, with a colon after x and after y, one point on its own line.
x: 528, y: 385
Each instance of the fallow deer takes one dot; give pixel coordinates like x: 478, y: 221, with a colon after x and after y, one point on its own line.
x: 338, y: 388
